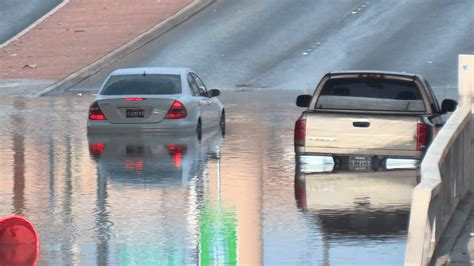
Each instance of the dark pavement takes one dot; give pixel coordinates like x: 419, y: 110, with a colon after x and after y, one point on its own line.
x: 17, y: 15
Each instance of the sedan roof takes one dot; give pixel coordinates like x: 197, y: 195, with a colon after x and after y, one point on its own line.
x: 150, y: 70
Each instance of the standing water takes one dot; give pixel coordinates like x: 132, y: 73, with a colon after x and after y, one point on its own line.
x: 154, y: 199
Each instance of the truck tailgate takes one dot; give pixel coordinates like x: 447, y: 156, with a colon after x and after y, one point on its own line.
x: 346, y: 133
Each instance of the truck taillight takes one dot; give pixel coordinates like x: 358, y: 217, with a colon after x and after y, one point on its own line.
x: 95, y: 113
x: 421, y: 137
x: 300, y: 132
x: 176, y: 111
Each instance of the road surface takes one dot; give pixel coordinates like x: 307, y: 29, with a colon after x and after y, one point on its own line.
x: 16, y: 15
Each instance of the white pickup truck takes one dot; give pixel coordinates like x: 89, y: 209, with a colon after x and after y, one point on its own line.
x: 367, y: 114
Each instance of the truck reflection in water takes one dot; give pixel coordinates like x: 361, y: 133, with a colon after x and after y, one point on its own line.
x: 353, y: 202
x: 152, y: 159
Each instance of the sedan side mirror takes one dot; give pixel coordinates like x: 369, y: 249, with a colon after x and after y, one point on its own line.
x: 448, y: 105
x: 213, y: 93
x: 303, y: 100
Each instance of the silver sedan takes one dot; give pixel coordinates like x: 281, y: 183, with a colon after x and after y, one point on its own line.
x: 169, y: 100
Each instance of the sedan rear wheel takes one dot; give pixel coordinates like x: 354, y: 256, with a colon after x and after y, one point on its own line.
x: 222, y: 123
x: 199, y: 130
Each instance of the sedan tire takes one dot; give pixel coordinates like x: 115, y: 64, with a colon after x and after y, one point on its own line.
x: 222, y: 123
x: 199, y: 130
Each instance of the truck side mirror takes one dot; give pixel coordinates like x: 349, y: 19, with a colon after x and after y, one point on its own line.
x: 303, y: 100
x: 448, y: 105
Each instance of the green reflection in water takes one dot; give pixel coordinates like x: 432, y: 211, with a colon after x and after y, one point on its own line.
x: 217, y: 236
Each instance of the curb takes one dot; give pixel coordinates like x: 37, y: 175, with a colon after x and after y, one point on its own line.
x: 141, y: 40
x: 34, y: 24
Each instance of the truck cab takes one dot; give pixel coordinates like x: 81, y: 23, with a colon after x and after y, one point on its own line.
x: 369, y: 114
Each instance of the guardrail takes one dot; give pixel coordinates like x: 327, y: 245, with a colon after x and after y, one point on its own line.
x: 446, y: 174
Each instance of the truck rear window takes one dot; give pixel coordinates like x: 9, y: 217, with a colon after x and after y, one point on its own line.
x: 370, y: 95
x: 142, y: 84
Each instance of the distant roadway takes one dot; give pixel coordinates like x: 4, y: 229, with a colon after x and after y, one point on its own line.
x: 291, y: 44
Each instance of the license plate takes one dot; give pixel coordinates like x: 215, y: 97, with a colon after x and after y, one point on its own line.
x: 135, y: 113
x: 134, y: 150
x: 360, y: 163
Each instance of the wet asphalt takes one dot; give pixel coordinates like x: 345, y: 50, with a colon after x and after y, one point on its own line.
x: 290, y: 45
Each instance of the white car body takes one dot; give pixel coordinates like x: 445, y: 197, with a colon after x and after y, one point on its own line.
x: 140, y: 99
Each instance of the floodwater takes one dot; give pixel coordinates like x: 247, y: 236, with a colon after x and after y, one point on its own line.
x: 171, y: 200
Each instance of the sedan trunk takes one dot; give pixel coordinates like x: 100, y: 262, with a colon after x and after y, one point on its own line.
x: 124, y: 110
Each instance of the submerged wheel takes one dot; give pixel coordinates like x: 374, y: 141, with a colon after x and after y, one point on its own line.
x: 199, y: 130
x: 222, y: 123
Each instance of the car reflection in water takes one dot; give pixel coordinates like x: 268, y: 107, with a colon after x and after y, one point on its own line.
x: 153, y: 170
x: 152, y: 159
x: 357, y: 203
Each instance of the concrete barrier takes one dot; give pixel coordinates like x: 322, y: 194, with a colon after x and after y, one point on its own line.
x: 446, y: 174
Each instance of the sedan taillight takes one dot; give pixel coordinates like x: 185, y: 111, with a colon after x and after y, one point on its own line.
x: 300, y: 132
x: 95, y: 113
x: 176, y: 111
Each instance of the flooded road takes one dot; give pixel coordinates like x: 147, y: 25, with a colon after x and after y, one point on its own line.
x: 151, y: 199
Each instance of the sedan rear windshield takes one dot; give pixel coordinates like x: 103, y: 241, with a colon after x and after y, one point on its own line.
x: 370, y: 95
x: 142, y: 84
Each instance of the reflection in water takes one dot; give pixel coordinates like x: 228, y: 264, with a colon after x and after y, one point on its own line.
x: 103, y: 223
x: 19, y: 157
x: 151, y: 159
x: 150, y: 199
x: 217, y: 236
x: 159, y: 168
x: 352, y: 208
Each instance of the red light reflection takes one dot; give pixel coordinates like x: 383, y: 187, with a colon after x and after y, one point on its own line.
x: 176, y: 152
x: 177, y: 159
x: 96, y: 148
x: 133, y: 165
